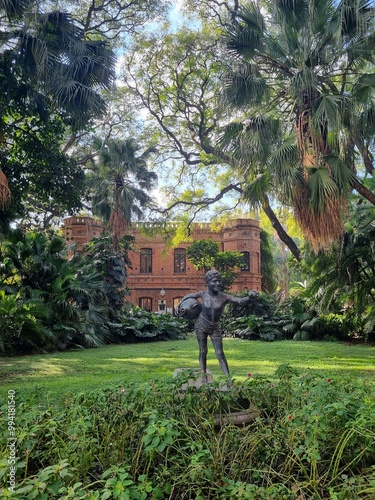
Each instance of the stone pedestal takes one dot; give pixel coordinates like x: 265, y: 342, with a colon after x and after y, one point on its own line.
x: 195, y: 377
x: 192, y: 377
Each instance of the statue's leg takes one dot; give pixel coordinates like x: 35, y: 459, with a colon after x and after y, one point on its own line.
x: 218, y: 346
x: 202, y: 341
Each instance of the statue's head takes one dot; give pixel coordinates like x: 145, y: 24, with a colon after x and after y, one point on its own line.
x: 212, y: 274
x: 213, y: 279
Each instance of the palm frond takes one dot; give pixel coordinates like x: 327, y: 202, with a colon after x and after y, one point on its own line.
x: 342, y: 174
x: 72, y: 94
x: 285, y: 157
x: 364, y: 88
x: 244, y: 86
x: 254, y: 190
x: 244, y: 38
x: 15, y: 9
x: 322, y: 188
x: 327, y: 110
x: 228, y: 135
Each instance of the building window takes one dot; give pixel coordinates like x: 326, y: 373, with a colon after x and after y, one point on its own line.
x: 145, y: 303
x: 180, y: 260
x: 257, y: 262
x: 246, y: 260
x: 146, y: 261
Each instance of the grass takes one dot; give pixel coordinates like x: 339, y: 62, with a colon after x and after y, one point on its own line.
x: 55, y: 374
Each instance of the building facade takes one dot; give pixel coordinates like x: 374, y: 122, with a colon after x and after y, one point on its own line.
x: 80, y: 230
x: 161, y: 276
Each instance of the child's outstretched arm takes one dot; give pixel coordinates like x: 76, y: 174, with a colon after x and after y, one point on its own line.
x: 243, y: 300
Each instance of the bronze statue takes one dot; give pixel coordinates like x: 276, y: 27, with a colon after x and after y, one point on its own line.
x: 207, y: 314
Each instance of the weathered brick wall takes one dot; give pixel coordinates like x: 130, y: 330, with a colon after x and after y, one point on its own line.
x: 81, y: 230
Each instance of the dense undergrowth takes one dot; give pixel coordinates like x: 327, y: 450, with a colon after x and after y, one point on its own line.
x: 313, y: 438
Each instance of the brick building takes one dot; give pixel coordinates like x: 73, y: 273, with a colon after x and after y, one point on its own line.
x: 161, y: 276
x: 81, y: 230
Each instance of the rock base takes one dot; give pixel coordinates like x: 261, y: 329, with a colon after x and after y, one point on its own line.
x: 194, y: 377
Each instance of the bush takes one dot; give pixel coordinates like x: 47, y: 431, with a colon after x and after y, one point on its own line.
x: 252, y: 321
x: 340, y: 326
x: 261, y: 319
x: 21, y: 328
x: 139, y: 325
x: 313, y: 438
x: 60, y: 303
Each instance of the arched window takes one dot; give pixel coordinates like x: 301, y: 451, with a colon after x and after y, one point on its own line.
x: 257, y: 262
x: 146, y: 261
x: 180, y: 260
x: 246, y: 260
x: 146, y: 303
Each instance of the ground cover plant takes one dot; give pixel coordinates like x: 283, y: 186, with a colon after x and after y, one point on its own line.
x: 313, y: 438
x: 114, y: 423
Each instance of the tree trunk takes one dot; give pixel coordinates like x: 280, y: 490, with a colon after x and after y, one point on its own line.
x: 283, y: 235
x: 363, y: 191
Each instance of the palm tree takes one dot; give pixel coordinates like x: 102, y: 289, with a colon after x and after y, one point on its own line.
x: 119, y: 182
x: 303, y: 65
x: 54, y: 67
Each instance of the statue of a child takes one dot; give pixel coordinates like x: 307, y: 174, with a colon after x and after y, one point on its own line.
x: 207, y: 323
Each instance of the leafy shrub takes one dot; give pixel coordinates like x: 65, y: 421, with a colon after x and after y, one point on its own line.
x: 313, y: 438
x: 263, y: 319
x: 62, y: 302
x: 340, y: 326
x: 49, y: 303
x: 254, y: 328
x: 140, y: 325
x: 253, y: 320
x: 21, y: 329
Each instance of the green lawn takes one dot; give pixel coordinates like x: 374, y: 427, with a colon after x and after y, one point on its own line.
x: 56, y: 374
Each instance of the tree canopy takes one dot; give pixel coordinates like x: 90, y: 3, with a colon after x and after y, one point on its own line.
x: 302, y: 84
x: 236, y: 108
x: 51, y: 78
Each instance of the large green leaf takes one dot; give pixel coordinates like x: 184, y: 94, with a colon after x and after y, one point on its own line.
x: 342, y: 174
x: 322, y: 187
x: 364, y: 88
x: 328, y: 108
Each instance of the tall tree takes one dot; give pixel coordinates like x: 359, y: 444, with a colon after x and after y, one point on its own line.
x: 308, y: 64
x: 50, y: 72
x: 176, y: 77
x: 119, y: 183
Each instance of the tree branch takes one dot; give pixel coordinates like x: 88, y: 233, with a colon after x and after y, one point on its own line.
x: 282, y: 234
x: 205, y: 202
